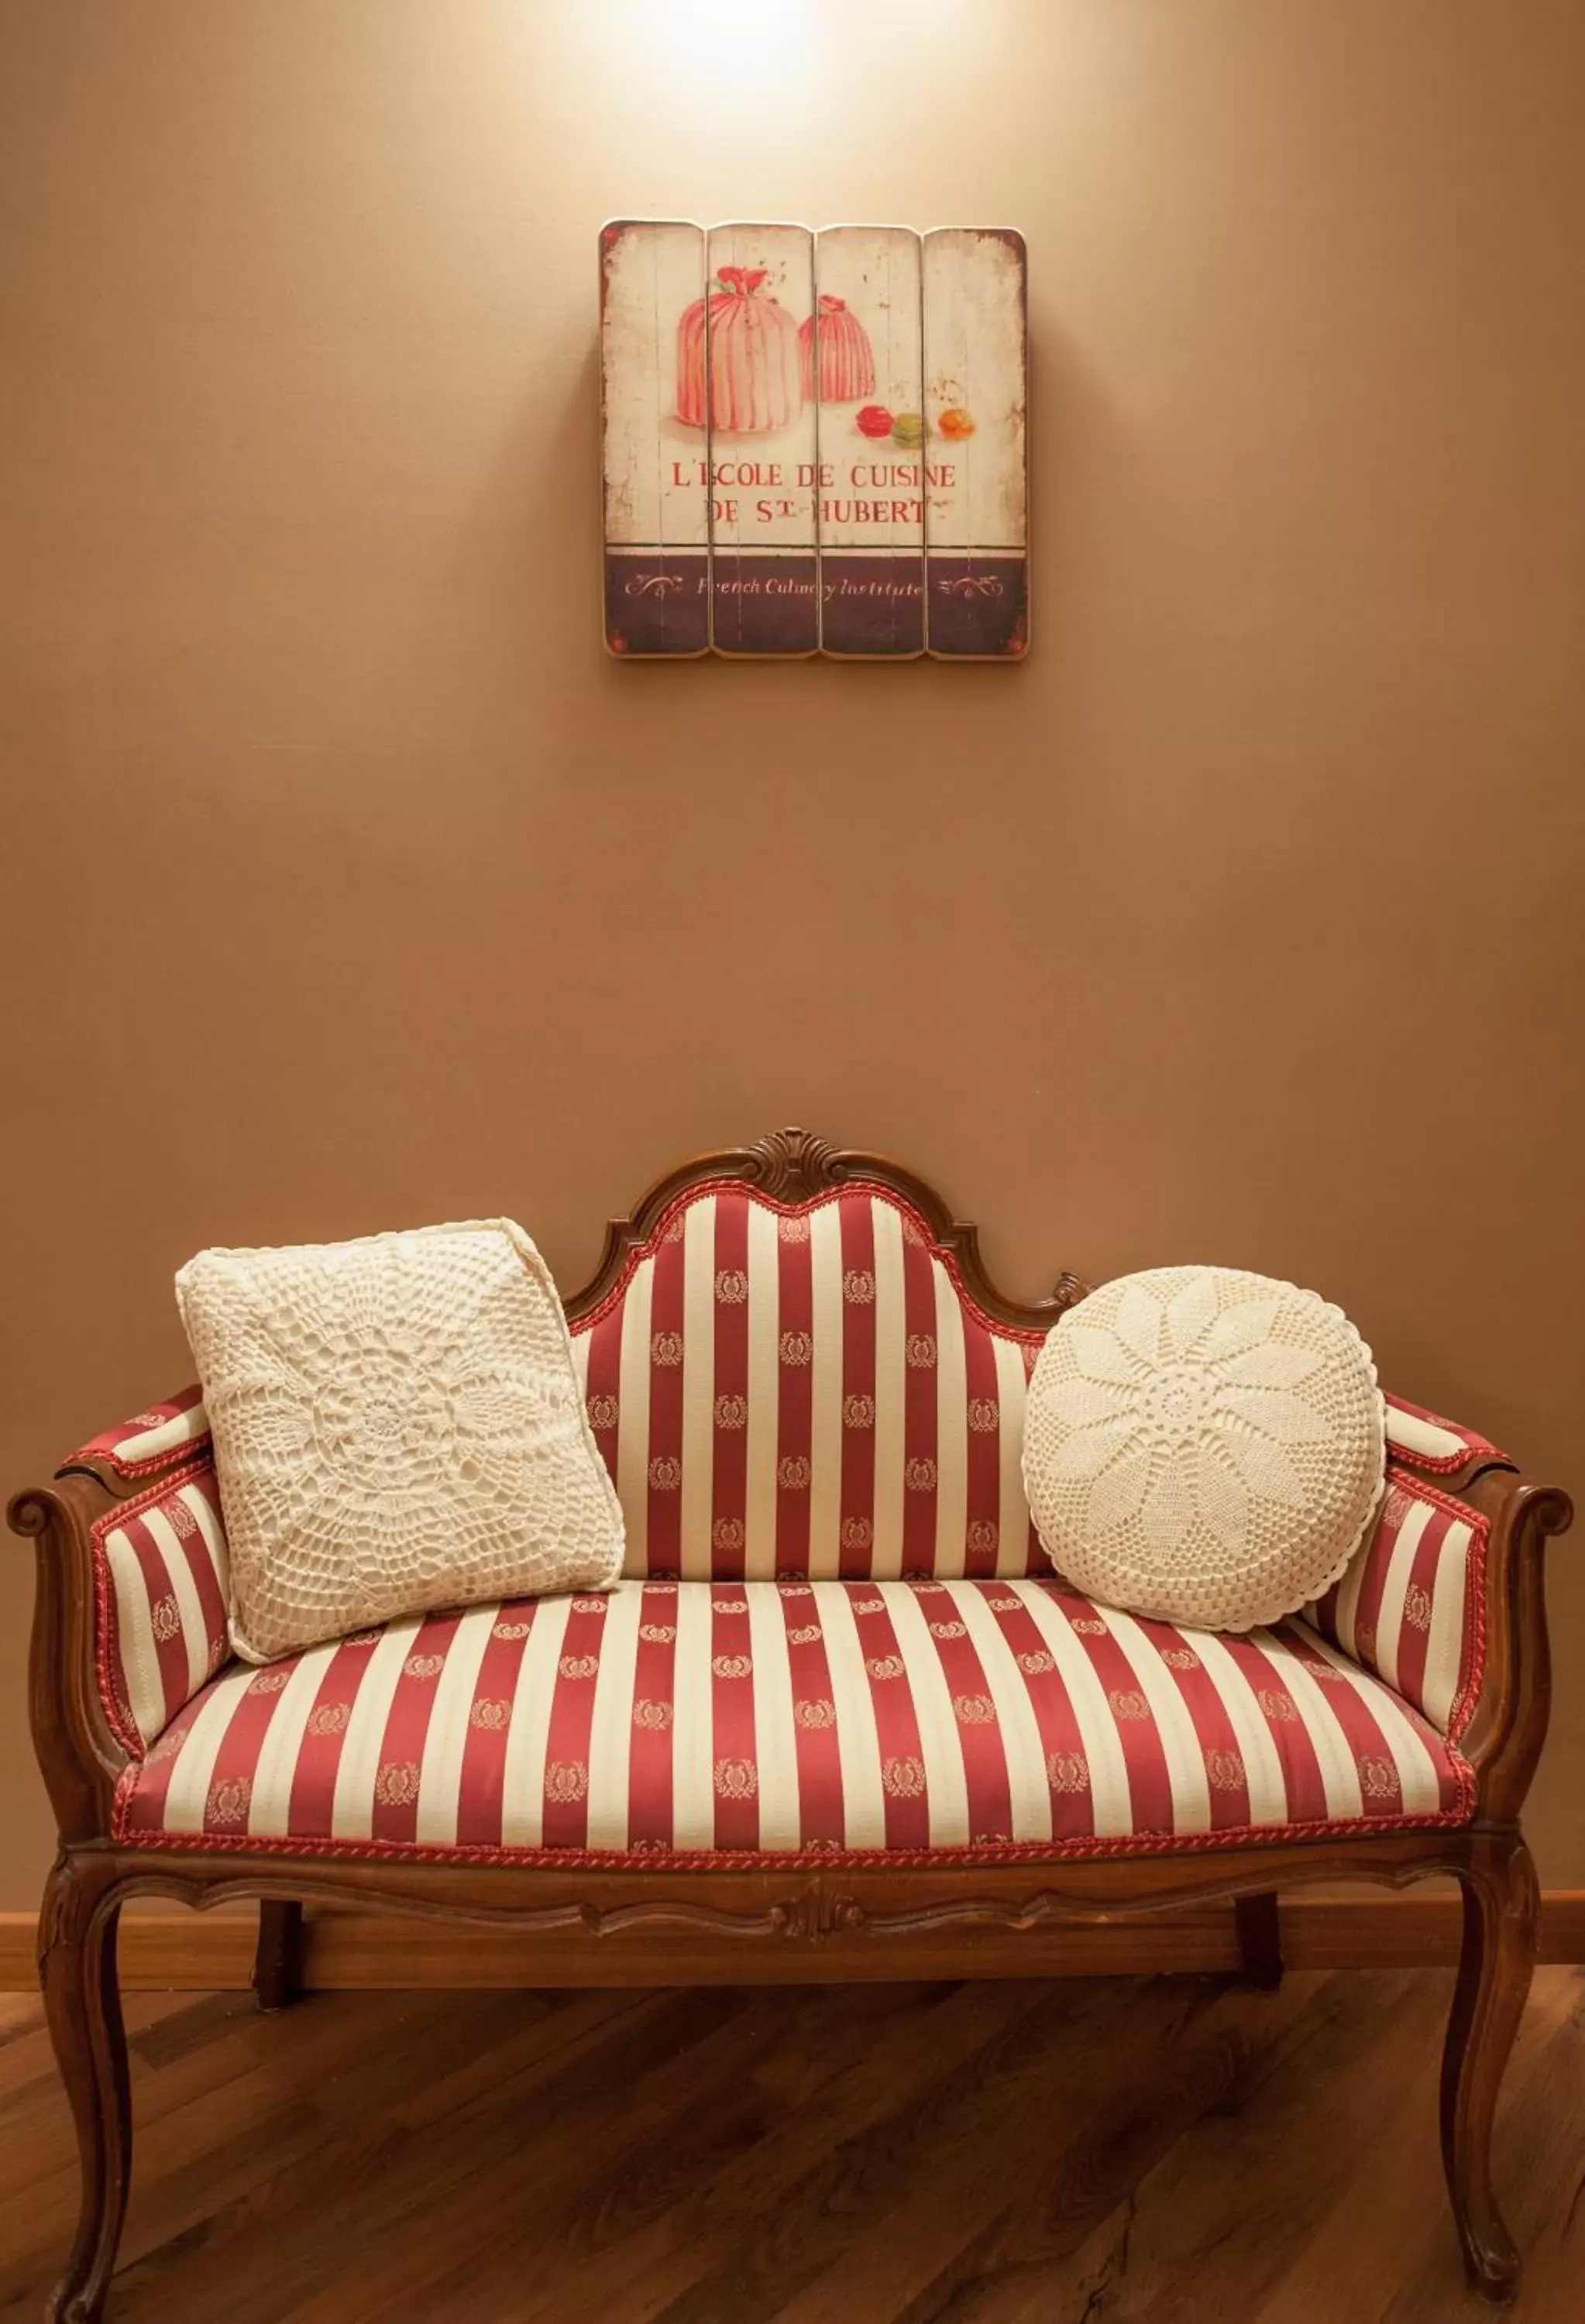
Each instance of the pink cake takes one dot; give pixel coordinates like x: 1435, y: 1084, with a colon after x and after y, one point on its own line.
x: 754, y: 372
x: 847, y: 362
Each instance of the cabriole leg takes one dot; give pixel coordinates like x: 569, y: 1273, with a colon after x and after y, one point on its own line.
x: 82, y: 2000
x: 1501, y: 1918
x: 278, y: 1965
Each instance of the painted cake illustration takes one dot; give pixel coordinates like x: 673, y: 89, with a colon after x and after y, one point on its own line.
x: 838, y: 363
x: 738, y: 357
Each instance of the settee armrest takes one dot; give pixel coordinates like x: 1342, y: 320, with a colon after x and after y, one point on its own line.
x: 151, y: 1443
x: 130, y: 1617
x: 1445, y: 1598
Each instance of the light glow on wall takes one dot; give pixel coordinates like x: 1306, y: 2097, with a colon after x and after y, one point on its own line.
x: 755, y: 37
x: 712, y: 47
x: 715, y: 104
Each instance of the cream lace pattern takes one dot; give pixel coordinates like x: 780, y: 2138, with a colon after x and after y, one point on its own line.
x: 1204, y: 1445
x: 397, y: 1428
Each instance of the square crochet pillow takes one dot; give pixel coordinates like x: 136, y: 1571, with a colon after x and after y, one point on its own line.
x: 397, y: 1428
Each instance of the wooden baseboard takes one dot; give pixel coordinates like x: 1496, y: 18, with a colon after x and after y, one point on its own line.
x: 365, y: 1951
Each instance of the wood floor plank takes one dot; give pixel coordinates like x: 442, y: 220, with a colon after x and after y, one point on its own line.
x: 1161, y: 2151
x: 217, y: 2109
x: 823, y: 2089
x: 1224, y: 2214
x: 674, y: 2071
x: 944, y: 2137
x: 375, y: 2190
x: 20, y: 2014
x: 1060, y: 2157
x: 1066, y: 2217
x: 331, y: 2181
x: 1539, y: 2151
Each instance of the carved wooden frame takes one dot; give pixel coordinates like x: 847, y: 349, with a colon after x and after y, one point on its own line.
x: 759, y: 1925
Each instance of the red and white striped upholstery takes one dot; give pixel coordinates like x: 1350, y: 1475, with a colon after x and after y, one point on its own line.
x: 805, y: 1393
x: 808, y: 1391
x: 1411, y: 1606
x: 149, y: 1440
x: 160, y: 1579
x: 868, y: 1718
x: 1424, y: 1440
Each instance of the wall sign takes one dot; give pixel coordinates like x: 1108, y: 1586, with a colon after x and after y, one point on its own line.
x: 814, y: 442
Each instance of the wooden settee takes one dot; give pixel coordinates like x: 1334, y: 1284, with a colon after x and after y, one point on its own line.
x: 838, y: 1721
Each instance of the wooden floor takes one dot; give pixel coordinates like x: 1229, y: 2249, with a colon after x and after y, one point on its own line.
x: 1172, y: 2149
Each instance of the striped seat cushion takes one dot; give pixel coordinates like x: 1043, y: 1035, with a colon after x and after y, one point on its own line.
x: 808, y: 1391
x: 160, y: 1579
x: 869, y: 1718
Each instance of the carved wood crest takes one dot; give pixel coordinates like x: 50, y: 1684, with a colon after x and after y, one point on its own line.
x: 794, y: 1165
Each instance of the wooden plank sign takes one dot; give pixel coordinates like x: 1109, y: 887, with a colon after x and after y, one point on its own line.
x: 657, y: 507
x: 976, y: 517
x: 814, y: 442
x: 746, y: 368
x: 869, y: 390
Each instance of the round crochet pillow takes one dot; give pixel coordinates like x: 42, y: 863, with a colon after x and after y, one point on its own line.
x: 1204, y: 1445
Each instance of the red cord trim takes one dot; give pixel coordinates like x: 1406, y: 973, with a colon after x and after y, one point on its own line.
x: 869, y: 1859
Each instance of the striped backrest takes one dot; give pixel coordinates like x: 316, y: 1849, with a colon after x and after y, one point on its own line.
x: 1410, y: 1606
x: 807, y: 1389
x: 160, y: 1580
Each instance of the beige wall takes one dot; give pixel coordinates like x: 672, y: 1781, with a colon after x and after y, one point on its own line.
x: 349, y: 885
